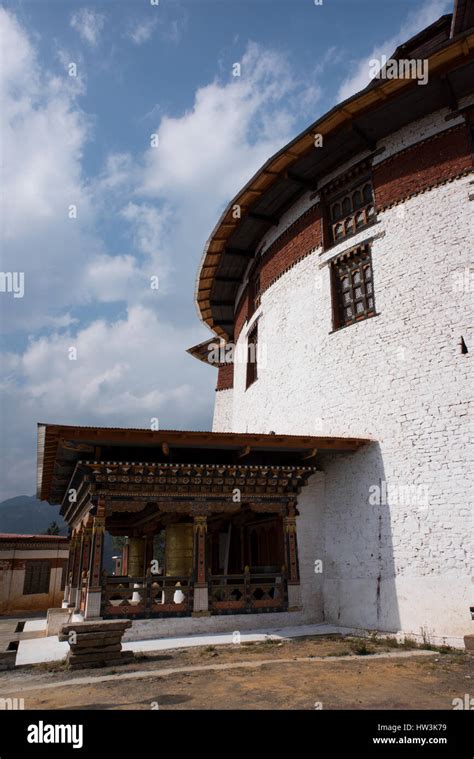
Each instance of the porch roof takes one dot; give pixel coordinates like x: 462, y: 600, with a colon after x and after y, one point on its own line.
x: 61, y: 448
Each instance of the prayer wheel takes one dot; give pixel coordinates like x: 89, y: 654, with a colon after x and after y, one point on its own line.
x: 179, y: 550
x: 136, y: 557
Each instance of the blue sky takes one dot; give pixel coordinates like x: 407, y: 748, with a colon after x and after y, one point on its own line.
x: 140, y: 211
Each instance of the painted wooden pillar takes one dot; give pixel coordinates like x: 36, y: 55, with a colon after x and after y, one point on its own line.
x: 200, y: 561
x: 94, y: 578
x: 291, y: 558
x: 76, y: 569
x: 85, y: 559
x: 69, y: 568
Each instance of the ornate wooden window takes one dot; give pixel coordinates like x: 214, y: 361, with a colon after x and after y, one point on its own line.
x: 252, y: 349
x: 254, y: 294
x: 352, y: 285
x: 37, y: 575
x: 351, y: 209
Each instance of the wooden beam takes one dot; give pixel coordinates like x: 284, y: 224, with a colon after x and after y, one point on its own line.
x: 368, y: 141
x: 309, y: 184
x: 222, y: 303
x: 448, y: 92
x: 239, y: 252
x: 273, y: 220
x: 228, y: 279
x: 244, y: 451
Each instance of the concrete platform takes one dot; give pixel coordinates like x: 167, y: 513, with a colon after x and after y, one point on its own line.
x: 226, y: 639
x: 51, y: 649
x: 40, y: 650
x: 35, y: 625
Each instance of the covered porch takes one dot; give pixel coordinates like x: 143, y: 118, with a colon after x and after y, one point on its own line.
x: 208, y: 521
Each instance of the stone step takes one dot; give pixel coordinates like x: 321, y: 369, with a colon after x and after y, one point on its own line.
x: 100, y: 626
x: 94, y: 651
x: 97, y: 640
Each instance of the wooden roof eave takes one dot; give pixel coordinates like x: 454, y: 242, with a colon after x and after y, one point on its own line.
x: 338, y: 117
x: 50, y: 437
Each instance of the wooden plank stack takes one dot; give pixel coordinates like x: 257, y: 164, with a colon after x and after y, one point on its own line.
x: 95, y: 644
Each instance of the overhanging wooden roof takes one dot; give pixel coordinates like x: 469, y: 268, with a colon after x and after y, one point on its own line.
x: 202, y: 351
x: 354, y: 125
x: 61, y: 447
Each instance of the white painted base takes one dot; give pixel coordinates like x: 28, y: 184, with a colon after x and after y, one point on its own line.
x: 144, y: 629
x: 55, y: 619
x: 201, y: 599
x: 93, y: 603
x: 294, y: 597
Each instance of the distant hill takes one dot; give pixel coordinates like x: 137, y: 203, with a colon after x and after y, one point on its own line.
x: 25, y: 515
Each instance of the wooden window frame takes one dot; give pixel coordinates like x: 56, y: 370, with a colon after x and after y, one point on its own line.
x: 352, y: 287
x: 365, y: 210
x: 252, y: 368
x: 254, y: 293
x: 37, y: 576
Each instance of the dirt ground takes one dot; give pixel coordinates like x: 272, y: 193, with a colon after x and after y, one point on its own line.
x: 294, y: 674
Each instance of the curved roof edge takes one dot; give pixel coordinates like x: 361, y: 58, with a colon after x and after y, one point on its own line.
x: 346, y: 118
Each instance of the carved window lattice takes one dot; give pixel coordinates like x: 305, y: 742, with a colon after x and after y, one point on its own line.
x: 254, y: 294
x: 252, y: 351
x: 352, y: 210
x: 353, y: 289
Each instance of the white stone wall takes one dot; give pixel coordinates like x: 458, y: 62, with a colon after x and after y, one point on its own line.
x: 399, y: 379
x: 222, y: 421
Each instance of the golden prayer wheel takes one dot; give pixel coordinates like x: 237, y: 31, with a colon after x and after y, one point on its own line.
x: 136, y: 557
x: 179, y: 550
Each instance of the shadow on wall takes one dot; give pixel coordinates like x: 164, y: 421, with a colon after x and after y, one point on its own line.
x: 359, y: 588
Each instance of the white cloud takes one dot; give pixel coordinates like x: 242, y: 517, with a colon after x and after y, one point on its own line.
x: 115, y: 278
x: 126, y: 373
x: 359, y: 76
x: 133, y: 367
x: 142, y: 31
x: 148, y: 224
x: 119, y: 171
x: 44, y: 134
x: 211, y: 150
x: 89, y: 24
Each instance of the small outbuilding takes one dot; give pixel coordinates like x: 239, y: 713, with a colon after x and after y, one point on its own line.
x: 32, y: 572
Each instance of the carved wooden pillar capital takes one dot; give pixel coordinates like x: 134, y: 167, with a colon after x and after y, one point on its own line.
x: 200, y: 557
x: 200, y: 524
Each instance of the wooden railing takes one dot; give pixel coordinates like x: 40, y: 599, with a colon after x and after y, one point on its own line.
x: 248, y: 593
x: 160, y: 596
x: 153, y: 596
